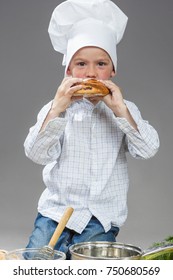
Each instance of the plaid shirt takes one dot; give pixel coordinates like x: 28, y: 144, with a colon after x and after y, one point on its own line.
x: 84, y: 153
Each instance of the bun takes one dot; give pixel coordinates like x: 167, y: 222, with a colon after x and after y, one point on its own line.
x: 90, y: 88
x: 2, y: 254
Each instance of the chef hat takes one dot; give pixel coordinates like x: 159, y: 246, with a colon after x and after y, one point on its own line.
x: 79, y: 23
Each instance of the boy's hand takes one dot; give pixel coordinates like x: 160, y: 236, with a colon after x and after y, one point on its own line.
x: 115, y: 102
x: 64, y: 95
x: 62, y: 100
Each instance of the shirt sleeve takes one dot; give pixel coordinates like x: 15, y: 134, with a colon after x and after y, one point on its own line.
x: 44, y: 147
x: 143, y: 143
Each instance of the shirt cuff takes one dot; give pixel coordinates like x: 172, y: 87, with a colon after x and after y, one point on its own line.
x: 124, y: 125
x: 55, y: 125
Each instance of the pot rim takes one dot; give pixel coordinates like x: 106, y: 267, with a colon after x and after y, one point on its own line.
x: 104, y: 244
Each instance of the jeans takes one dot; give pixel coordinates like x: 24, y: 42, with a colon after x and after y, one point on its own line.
x: 45, y: 227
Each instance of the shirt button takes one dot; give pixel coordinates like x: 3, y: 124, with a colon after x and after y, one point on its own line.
x: 52, y: 125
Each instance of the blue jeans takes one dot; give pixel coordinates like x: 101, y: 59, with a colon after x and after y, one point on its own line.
x: 45, y: 227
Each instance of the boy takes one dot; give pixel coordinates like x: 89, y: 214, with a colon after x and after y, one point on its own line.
x: 83, y: 142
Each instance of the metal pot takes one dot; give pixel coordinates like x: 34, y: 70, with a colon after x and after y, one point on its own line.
x: 101, y: 250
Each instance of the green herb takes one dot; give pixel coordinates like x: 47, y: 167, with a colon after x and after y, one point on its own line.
x: 167, y: 241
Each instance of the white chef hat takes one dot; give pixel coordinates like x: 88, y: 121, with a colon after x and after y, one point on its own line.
x: 76, y: 24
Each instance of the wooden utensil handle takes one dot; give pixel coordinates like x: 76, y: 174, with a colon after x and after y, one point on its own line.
x: 60, y: 227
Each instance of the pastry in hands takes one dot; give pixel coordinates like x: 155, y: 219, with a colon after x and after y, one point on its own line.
x: 91, y: 88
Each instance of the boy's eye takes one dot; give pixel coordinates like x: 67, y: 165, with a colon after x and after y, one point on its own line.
x: 81, y: 63
x: 101, y: 63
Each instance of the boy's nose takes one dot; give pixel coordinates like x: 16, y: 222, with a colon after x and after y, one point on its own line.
x: 91, y: 73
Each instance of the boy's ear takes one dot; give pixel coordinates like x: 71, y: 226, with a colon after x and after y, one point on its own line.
x: 68, y: 72
x: 113, y: 73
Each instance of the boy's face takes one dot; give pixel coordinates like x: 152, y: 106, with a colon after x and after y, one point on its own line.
x: 91, y: 62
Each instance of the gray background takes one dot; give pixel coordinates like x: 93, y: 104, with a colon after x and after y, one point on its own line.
x: 30, y: 71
